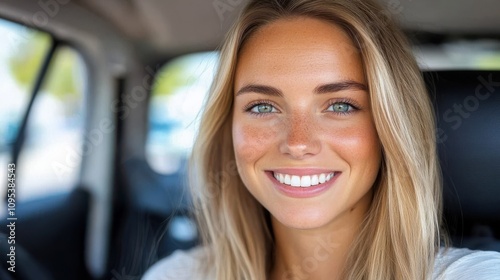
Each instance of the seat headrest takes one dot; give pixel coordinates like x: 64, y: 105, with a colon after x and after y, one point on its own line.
x: 467, y: 105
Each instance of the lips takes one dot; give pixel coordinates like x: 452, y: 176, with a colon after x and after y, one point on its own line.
x: 304, y: 181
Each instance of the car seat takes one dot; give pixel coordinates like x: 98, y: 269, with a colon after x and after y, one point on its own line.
x: 467, y: 106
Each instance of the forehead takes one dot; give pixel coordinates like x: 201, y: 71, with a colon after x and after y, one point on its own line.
x: 299, y: 45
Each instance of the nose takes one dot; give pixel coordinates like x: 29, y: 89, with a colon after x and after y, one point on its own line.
x: 301, y: 137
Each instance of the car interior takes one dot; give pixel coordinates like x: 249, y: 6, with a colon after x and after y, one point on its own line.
x: 124, y: 81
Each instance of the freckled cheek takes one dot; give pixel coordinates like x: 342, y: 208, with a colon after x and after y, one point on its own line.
x: 253, y: 140
x: 358, y: 144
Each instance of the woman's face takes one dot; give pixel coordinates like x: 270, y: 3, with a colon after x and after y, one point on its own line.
x: 304, y: 138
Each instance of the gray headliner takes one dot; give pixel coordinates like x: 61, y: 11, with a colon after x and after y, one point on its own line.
x: 171, y: 27
x: 180, y: 25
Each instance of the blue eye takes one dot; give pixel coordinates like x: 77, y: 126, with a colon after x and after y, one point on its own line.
x: 263, y: 108
x: 340, y: 107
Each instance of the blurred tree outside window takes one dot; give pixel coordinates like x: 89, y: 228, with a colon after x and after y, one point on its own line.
x: 55, y: 124
x: 176, y: 100
x: 19, y: 66
x: 461, y: 54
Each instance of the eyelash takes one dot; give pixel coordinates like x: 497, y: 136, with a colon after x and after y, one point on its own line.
x: 346, y: 101
x: 248, y: 108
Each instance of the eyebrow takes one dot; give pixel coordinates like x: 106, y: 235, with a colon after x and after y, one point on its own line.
x: 322, y: 89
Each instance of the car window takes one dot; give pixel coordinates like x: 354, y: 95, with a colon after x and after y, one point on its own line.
x: 18, y: 72
x: 49, y: 160
x: 177, y: 97
x: 459, y: 54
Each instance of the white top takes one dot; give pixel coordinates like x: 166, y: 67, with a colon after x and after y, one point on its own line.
x: 450, y: 264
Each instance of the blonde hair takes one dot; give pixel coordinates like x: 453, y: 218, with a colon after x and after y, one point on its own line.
x: 400, y: 235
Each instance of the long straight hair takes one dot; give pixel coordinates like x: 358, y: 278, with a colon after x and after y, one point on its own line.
x: 400, y: 235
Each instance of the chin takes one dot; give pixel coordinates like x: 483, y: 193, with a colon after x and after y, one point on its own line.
x: 303, y: 220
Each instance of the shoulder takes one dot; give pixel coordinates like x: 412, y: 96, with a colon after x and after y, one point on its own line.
x: 454, y: 263
x: 179, y: 266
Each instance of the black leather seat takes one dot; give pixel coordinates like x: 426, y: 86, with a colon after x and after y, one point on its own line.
x: 467, y: 105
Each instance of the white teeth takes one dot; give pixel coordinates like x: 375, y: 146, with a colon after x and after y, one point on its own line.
x: 314, y: 180
x: 287, y: 179
x: 322, y: 178
x: 295, y: 181
x: 303, y: 181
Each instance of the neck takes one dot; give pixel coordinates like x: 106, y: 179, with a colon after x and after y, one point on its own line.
x: 319, y: 253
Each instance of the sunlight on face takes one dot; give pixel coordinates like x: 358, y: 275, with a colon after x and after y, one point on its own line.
x: 304, y: 138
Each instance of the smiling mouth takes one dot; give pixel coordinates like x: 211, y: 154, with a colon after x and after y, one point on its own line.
x: 303, y: 181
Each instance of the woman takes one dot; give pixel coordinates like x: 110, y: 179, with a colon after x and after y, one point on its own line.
x: 316, y: 155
